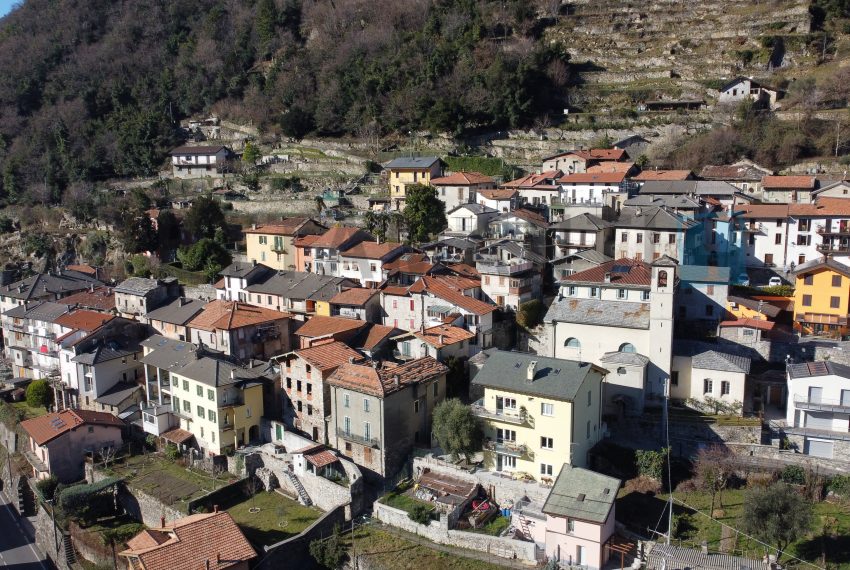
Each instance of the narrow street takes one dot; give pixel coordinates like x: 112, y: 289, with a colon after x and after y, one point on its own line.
x: 16, y: 549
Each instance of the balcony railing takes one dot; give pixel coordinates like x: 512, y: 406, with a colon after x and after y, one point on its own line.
x: 370, y: 441
x: 821, y: 433
x: 231, y: 402
x: 516, y: 417
x: 501, y: 267
x: 821, y: 404
x: 510, y: 448
x: 839, y: 231
x: 833, y: 248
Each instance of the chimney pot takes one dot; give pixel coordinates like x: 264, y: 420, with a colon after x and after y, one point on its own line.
x: 253, y: 263
x: 531, y: 371
x: 607, y: 278
x: 253, y: 226
x: 215, y: 508
x: 351, y: 360
x: 396, y: 380
x: 442, y: 339
x: 218, y: 557
x: 162, y: 522
x: 233, y: 374
x: 207, y: 564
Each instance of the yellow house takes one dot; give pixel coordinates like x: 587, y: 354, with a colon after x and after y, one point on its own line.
x: 273, y: 245
x: 822, y: 298
x: 538, y: 412
x: 209, y: 396
x: 413, y: 170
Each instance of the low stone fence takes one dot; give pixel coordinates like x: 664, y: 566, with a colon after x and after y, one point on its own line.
x: 438, y: 531
x: 771, y: 458
x: 294, y: 552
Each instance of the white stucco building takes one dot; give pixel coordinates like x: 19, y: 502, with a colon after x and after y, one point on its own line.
x: 818, y: 412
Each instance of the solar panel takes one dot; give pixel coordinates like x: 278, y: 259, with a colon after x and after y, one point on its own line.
x: 621, y: 269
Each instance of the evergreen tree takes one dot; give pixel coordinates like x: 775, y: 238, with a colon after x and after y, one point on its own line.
x: 424, y: 213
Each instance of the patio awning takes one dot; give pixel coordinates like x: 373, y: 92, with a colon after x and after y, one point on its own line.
x: 321, y: 458
x: 177, y: 435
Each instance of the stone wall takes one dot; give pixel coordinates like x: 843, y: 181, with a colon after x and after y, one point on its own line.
x: 771, y: 457
x: 438, y: 532
x: 295, y: 552
x: 50, y: 539
x: 139, y: 504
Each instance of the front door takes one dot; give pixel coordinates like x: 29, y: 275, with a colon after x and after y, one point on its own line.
x: 581, y: 555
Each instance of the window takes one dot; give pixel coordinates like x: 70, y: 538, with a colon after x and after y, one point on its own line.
x: 709, y: 289
x: 809, y: 280
x: 436, y: 389
x: 572, y: 342
x: 621, y: 370
x: 289, y: 383
x: 724, y: 388
x: 674, y: 378
x: 571, y: 525
x: 299, y: 406
x: 175, y: 404
x: 640, y: 238
x: 621, y: 293
x: 210, y: 394
x: 547, y: 409
x: 201, y: 412
x: 298, y: 386
x: 367, y: 431
x: 509, y: 403
x: 662, y: 279
x: 588, y: 429
x: 508, y: 461
x: 777, y: 239
x: 416, y: 406
x: 546, y: 443
x: 212, y: 435
x: 804, y: 240
x: 309, y: 389
x: 627, y: 347
x: 834, y: 302
x: 656, y: 237
x: 594, y: 292
x: 571, y: 291
x: 503, y: 435
x: 185, y: 385
x: 199, y: 389
x: 346, y: 425
x: 373, y: 267
x: 807, y: 300
x: 589, y: 397
x: 187, y: 406
x: 836, y: 280
x: 247, y: 412
x: 263, y: 240
x: 707, y: 386
x: 644, y: 296
x: 545, y: 469
x: 411, y: 305
x: 671, y: 239
x: 309, y: 409
x: 346, y: 401
x: 211, y: 415
x: 365, y: 404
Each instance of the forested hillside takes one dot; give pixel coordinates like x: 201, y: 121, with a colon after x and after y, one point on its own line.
x: 93, y: 89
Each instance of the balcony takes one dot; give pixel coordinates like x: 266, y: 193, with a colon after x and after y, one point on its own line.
x: 492, y: 267
x: 821, y: 433
x: 833, y: 248
x: 510, y: 448
x: 514, y: 417
x: 821, y: 404
x: 232, y: 402
x: 347, y: 435
x: 829, y: 231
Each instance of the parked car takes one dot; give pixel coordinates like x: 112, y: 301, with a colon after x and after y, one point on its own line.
x: 774, y: 281
x: 743, y: 279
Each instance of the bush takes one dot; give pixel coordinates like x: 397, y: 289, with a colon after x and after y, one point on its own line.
x: 530, y: 314
x: 329, y: 553
x: 47, y: 487
x: 650, y: 463
x: 39, y: 394
x: 779, y: 290
x: 839, y: 485
x: 793, y: 474
x: 420, y: 514
x: 172, y: 452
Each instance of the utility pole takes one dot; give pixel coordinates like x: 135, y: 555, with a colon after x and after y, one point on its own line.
x: 837, y: 136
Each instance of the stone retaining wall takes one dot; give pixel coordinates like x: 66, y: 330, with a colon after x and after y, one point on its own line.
x: 295, y: 552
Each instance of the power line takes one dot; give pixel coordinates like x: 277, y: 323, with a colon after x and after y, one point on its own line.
x: 742, y: 533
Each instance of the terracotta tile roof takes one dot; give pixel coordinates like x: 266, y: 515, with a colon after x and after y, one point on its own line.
x: 371, y: 249
x: 375, y: 334
x: 191, y: 542
x: 335, y: 237
x: 415, y: 263
x: 83, y: 320
x: 219, y: 284
x: 528, y: 216
x: 319, y: 325
x: 449, y: 291
x: 356, y: 296
x: 750, y: 323
x: 50, y: 426
x: 593, y: 154
x: 533, y: 180
x: 593, y: 177
x: 807, y: 182
x: 462, y: 179
x: 328, y: 356
x: 760, y: 211
x: 83, y: 268
x: 381, y: 382
x: 101, y: 299
x: 464, y: 270
x: 306, y: 241
x: 318, y: 455
x: 622, y: 271
x: 178, y: 436
x: 823, y: 207
x: 663, y: 175
x: 611, y: 166
x: 443, y: 335
x: 499, y: 194
x: 396, y: 290
x: 286, y: 227
x: 229, y: 315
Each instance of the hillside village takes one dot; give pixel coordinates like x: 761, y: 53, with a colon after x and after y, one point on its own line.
x: 612, y: 331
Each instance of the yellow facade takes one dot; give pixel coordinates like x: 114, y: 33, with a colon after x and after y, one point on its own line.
x: 275, y: 251
x: 399, y: 179
x: 535, y: 435
x: 822, y: 301
x: 323, y: 308
x: 741, y: 312
x: 237, y: 413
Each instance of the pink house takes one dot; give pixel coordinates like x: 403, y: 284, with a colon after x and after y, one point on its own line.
x: 580, y: 517
x: 58, y: 442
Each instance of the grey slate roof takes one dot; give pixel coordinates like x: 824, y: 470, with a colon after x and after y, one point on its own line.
x: 140, y: 285
x: 819, y: 368
x: 703, y: 274
x: 672, y: 557
x: 474, y: 208
x: 582, y: 494
x: 246, y: 270
x: 517, y: 250
x: 624, y: 314
x: 715, y: 188
x: 766, y: 308
x: 412, y: 162
x: 714, y: 360
x: 46, y: 311
x: 819, y: 262
x: 107, y: 349
x: 658, y: 187
x: 590, y: 255
x: 117, y: 394
x: 673, y: 201
x: 45, y: 285
x: 300, y: 285
x: 625, y: 358
x: 178, y: 312
x: 554, y: 377
x: 582, y: 222
x: 653, y: 218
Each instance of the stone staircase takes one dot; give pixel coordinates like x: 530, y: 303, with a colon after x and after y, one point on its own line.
x: 303, y: 497
x: 67, y: 548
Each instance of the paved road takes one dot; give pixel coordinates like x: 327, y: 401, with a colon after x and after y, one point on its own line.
x: 16, y: 549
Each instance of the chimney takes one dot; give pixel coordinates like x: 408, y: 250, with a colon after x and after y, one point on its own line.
x: 607, y: 277
x: 91, y: 288
x: 253, y: 263
x: 351, y: 360
x: 396, y: 380
x: 704, y: 547
x: 253, y: 226
x: 215, y: 508
x: 161, y: 522
x: 531, y: 371
x: 233, y: 374
x: 442, y: 339
x: 218, y: 557
x: 207, y: 564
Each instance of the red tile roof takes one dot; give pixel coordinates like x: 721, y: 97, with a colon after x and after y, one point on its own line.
x: 178, y: 436
x: 319, y: 325
x: 396, y: 290
x: 306, y: 241
x: 443, y: 335
x: 83, y: 268
x: 464, y: 270
x: 50, y: 426
x: 533, y: 180
x: 593, y: 177
x: 356, y: 296
x: 662, y: 175
x: 329, y: 356
x: 823, y: 207
x: 761, y: 211
x: 229, y: 315
x: 318, y: 455
x: 622, y: 271
x: 788, y: 182
x: 415, y: 263
x: 611, y: 166
x: 335, y: 237
x: 462, y: 179
x: 101, y: 299
x: 499, y: 194
x: 750, y: 323
x: 83, y: 320
x: 381, y: 382
x: 375, y: 335
x: 192, y: 542
x: 371, y: 249
x: 450, y: 291
x: 286, y: 227
x: 529, y: 216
